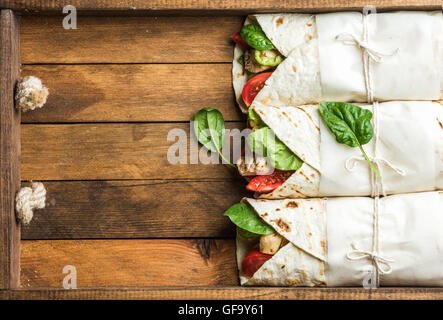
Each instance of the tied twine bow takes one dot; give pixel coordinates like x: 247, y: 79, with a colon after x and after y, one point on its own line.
x: 381, y: 263
x: 368, y: 54
x: 351, y: 40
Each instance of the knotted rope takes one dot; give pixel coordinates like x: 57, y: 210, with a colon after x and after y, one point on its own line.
x: 381, y: 264
x: 369, y: 54
x: 28, y: 199
x: 377, y: 187
x: 30, y: 94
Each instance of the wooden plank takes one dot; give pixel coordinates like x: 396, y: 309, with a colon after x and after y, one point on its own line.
x: 108, y: 263
x: 127, y: 93
x: 110, y: 151
x: 227, y: 293
x: 136, y: 209
x: 9, y: 150
x: 226, y: 5
x: 129, y: 40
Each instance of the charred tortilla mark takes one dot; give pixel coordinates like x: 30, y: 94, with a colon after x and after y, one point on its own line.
x: 309, y: 24
x: 323, y: 246
x: 306, y: 177
x: 282, y: 225
x: 441, y: 125
x: 309, y: 36
x: 265, y: 100
x: 310, y: 118
x: 294, y: 68
x: 278, y: 209
x: 279, y: 22
x: 264, y: 215
x: 310, y: 234
x: 292, y: 204
x: 290, y: 120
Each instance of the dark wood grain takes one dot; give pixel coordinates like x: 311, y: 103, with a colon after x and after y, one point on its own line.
x: 113, y: 263
x: 226, y: 293
x: 131, y: 93
x: 110, y: 151
x: 129, y: 40
x: 223, y: 5
x: 9, y: 150
x: 136, y: 209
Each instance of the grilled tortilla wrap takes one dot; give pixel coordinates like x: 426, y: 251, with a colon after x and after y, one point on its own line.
x: 409, y: 151
x: 409, y: 239
x: 319, y: 67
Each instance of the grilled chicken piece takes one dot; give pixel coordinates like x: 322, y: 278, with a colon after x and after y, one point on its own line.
x: 270, y: 243
x: 253, y: 165
x: 252, y: 65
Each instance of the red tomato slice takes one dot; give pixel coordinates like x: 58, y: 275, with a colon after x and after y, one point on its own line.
x: 253, y: 86
x: 267, y: 183
x: 253, y: 261
x: 239, y: 40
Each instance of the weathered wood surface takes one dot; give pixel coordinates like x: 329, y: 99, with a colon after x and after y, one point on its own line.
x: 129, y: 40
x: 136, y: 209
x: 110, y: 151
x: 224, y: 5
x: 9, y: 150
x: 132, y: 93
x: 115, y: 263
x: 227, y: 293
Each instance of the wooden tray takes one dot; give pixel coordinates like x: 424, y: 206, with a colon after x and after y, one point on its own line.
x: 134, y: 226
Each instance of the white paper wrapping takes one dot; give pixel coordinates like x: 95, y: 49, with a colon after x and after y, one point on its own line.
x: 410, y: 140
x: 318, y: 67
x: 409, y: 236
x: 410, y: 69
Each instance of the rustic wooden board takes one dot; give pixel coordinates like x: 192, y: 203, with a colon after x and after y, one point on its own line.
x: 133, y: 92
x: 225, y: 5
x: 228, y: 293
x: 136, y: 209
x: 9, y: 150
x: 129, y: 40
x: 114, y: 263
x: 109, y: 151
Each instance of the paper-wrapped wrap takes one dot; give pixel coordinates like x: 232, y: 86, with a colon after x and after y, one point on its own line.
x: 329, y: 59
x: 407, y: 147
x: 338, y: 242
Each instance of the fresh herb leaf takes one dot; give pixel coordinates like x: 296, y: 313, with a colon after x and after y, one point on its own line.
x: 255, y: 37
x: 246, y: 234
x: 350, y: 124
x: 244, y: 217
x: 241, y: 59
x: 209, y: 128
x: 264, y: 143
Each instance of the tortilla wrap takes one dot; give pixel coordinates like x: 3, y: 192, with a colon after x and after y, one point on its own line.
x: 318, y: 67
x: 409, y: 151
x: 410, y: 239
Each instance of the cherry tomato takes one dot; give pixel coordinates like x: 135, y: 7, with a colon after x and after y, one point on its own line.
x: 267, y: 183
x: 253, y: 86
x: 239, y: 40
x: 253, y: 261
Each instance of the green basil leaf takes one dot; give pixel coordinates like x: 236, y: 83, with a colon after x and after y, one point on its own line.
x: 350, y: 124
x: 264, y: 143
x: 209, y: 128
x: 241, y: 60
x: 244, y: 217
x: 246, y: 234
x: 255, y: 37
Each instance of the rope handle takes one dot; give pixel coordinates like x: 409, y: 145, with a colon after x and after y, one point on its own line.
x: 28, y: 199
